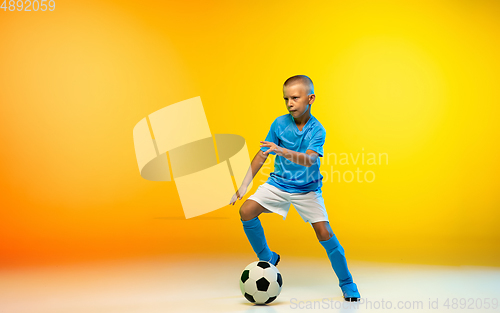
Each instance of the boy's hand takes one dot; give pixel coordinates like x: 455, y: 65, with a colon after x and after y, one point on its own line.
x: 239, y: 194
x: 272, y: 147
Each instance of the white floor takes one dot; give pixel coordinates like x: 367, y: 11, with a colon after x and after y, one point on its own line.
x: 208, y: 284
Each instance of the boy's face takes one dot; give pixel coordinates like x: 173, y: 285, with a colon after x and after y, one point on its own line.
x: 296, y: 99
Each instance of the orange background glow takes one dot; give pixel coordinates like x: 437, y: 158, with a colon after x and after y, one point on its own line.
x: 417, y: 81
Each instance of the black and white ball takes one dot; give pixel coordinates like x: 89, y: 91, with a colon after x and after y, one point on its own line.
x: 260, y: 282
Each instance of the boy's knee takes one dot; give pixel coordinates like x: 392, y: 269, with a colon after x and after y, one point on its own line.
x: 244, y: 214
x: 324, y: 235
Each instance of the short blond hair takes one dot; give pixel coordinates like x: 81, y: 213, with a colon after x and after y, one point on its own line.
x: 302, y: 79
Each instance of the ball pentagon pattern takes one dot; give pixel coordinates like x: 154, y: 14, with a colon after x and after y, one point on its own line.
x: 261, y: 282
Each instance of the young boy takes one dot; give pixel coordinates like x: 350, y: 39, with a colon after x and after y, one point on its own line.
x: 297, y: 140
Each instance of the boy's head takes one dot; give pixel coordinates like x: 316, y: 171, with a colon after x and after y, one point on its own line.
x: 300, y: 79
x: 298, y: 92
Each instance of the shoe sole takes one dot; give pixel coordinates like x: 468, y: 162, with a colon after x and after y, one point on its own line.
x: 351, y: 299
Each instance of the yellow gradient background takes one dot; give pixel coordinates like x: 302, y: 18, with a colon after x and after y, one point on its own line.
x: 415, y: 80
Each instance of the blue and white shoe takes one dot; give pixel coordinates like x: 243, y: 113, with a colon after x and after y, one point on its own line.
x: 350, y: 292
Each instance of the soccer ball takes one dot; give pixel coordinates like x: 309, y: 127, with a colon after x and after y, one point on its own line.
x: 260, y: 282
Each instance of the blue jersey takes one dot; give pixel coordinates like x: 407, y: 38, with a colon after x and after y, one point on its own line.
x: 289, y: 176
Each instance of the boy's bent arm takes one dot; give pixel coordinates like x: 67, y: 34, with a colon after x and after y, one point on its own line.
x: 257, y: 162
x: 305, y: 159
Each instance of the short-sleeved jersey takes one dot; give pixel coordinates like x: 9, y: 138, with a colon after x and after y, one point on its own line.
x: 289, y: 176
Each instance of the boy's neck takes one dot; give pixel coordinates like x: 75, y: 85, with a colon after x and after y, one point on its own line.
x: 303, y: 119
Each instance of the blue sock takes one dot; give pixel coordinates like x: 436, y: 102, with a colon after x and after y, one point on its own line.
x: 255, y: 234
x: 337, y: 258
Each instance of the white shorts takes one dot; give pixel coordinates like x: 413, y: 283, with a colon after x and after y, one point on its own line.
x: 309, y: 205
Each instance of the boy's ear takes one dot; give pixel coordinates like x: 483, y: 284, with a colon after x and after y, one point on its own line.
x: 312, y: 98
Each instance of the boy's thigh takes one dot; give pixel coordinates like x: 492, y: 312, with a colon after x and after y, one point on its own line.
x: 310, y: 206
x: 250, y: 209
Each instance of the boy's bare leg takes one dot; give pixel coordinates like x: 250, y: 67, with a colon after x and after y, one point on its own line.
x: 251, y: 209
x: 323, y: 230
x: 249, y: 213
x: 337, y: 258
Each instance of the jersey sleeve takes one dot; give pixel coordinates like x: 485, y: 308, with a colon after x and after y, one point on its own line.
x: 271, y: 137
x: 317, y: 141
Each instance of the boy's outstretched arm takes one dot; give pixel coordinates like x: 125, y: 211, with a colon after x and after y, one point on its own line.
x: 257, y: 162
x: 306, y: 159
